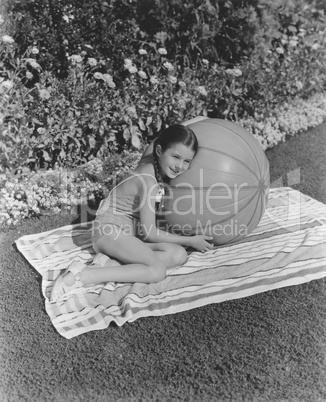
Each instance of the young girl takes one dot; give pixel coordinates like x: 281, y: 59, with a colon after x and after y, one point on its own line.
x: 125, y: 226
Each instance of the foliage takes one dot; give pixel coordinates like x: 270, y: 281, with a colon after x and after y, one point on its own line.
x: 68, y: 121
x: 191, y: 30
x: 286, y: 120
x: 68, y: 97
x: 59, y: 189
x: 222, y: 31
x: 59, y: 28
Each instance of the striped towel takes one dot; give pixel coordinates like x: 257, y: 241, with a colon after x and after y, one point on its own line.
x: 287, y: 248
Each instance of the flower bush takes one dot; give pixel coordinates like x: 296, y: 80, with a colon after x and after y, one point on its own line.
x: 220, y: 31
x: 60, y: 190
x: 72, y: 120
x: 286, y: 120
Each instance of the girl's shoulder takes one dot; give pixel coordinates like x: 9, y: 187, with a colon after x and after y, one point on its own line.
x: 146, y: 159
x: 146, y: 172
x: 135, y: 183
x: 144, y: 179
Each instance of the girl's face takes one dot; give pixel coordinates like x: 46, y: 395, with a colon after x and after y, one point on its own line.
x: 174, y: 160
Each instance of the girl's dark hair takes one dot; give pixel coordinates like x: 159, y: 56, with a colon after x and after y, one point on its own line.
x: 175, y: 134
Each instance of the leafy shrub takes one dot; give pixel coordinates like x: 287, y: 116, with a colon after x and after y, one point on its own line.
x: 58, y: 190
x: 286, y: 120
x: 71, y: 120
x: 189, y: 30
x: 59, y: 28
x: 102, y: 104
x: 220, y: 31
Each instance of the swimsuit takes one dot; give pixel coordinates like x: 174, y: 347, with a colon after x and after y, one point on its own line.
x: 116, y: 214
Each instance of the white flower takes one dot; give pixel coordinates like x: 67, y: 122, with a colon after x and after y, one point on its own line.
x: 154, y: 80
x: 142, y: 51
x: 168, y: 66
x: 205, y: 62
x: 29, y: 75
x: 66, y: 18
x: 7, y: 84
x: 35, y: 50
x: 128, y: 63
x: 75, y: 58
x: 315, y: 46
x: 162, y: 51
x: 202, y: 90
x: 92, y: 62
x: 108, y: 79
x: 44, y: 94
x: 172, y: 79
x: 279, y: 50
x: 182, y: 84
x: 41, y: 130
x: 235, y: 72
x: 7, y: 39
x: 299, y: 84
x: 142, y: 74
x: 33, y: 63
x: 98, y: 76
x: 132, y: 69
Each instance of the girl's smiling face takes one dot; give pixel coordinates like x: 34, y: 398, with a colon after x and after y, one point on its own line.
x: 175, y: 160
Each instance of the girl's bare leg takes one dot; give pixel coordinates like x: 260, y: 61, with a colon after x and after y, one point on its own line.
x: 172, y: 255
x: 142, y: 262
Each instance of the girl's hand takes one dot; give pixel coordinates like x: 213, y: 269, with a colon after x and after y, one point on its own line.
x: 201, y: 243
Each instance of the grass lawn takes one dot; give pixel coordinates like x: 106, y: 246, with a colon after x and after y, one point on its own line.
x: 267, y: 347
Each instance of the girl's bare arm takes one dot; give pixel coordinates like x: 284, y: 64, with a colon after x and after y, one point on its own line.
x: 150, y: 230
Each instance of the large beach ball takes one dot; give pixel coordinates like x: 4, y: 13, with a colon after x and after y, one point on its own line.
x: 225, y: 191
